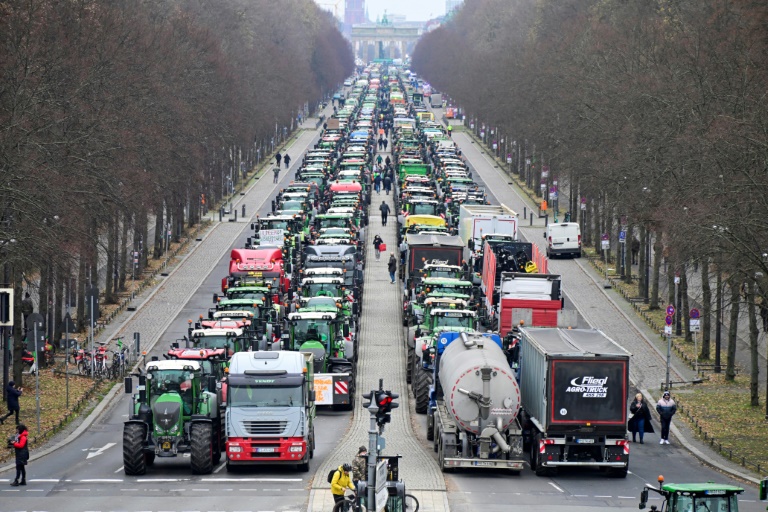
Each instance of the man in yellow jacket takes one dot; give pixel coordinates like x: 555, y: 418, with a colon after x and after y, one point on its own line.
x: 340, y: 482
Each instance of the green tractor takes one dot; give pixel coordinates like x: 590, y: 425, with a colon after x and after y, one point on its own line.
x: 172, y: 414
x: 706, y: 497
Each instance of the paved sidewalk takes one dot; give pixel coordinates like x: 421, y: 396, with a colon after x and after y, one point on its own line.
x: 382, y: 355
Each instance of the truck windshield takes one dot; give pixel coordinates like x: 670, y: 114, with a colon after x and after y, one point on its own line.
x: 264, y: 396
x: 310, y: 330
x: 275, y: 224
x: 708, y: 504
x: 292, y: 205
x: 246, y: 294
x: 171, y: 381
x: 213, y: 341
x: 424, y: 209
x: 321, y: 290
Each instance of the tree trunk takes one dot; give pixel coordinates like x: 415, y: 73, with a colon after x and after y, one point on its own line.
x: 594, y: 224
x: 657, y: 256
x: 671, y: 286
x: 730, y: 365
x: 628, y: 252
x: 109, y: 297
x: 754, y: 396
x: 81, y: 283
x: 642, y: 261
x: 686, y: 305
x: 706, y: 327
x: 159, y: 231
x: 44, y: 293
x: 61, y: 277
x: 18, y: 335
x: 124, y: 256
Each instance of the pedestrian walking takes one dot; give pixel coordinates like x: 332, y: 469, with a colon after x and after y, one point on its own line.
x: 385, y: 143
x: 276, y: 172
x: 287, y: 160
x: 377, y: 182
x: 381, y: 143
x: 666, y: 407
x: 387, y: 183
x: 378, y: 162
x: 392, y: 266
x: 450, y: 129
x: 340, y: 482
x: 388, y: 161
x: 12, y: 394
x: 360, y: 466
x: 377, y: 241
x: 278, y: 158
x: 384, y: 209
x: 640, y: 420
x: 19, y: 443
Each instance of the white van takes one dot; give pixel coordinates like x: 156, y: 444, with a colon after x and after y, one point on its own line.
x: 563, y: 238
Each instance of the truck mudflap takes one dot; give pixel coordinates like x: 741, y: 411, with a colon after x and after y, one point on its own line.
x: 553, y: 452
x: 249, y: 450
x: 454, y: 462
x: 333, y: 388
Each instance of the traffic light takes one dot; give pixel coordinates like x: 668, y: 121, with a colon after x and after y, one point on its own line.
x: 367, y: 396
x: 6, y: 307
x: 385, y: 400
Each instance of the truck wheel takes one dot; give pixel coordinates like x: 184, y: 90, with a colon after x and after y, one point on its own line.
x: 134, y: 462
x: 620, y: 472
x: 430, y: 426
x: 201, y: 435
x: 304, y: 465
x: 409, y: 362
x: 441, y: 459
x: 423, y: 380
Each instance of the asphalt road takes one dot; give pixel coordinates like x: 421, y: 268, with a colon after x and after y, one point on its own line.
x: 88, y: 473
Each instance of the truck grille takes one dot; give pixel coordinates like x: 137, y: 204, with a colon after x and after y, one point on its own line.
x: 265, y: 428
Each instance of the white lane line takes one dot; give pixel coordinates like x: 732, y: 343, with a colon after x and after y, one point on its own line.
x: 136, y: 489
x: 273, y: 490
x: 555, y: 486
x: 101, y: 480
x: 201, y: 490
x: 603, y: 496
x: 221, y: 466
x: 35, y: 490
x: 150, y: 480
x: 250, y: 479
x: 53, y: 480
x: 120, y: 469
x: 627, y: 497
x: 581, y: 496
x: 86, y: 490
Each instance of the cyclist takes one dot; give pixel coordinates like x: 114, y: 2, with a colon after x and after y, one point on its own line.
x: 340, y: 482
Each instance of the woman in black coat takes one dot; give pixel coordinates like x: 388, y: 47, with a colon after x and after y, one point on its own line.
x: 640, y: 422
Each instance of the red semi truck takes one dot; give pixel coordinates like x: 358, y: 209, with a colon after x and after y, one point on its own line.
x: 258, y: 267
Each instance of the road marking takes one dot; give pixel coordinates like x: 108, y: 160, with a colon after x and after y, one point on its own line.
x: 250, y: 479
x: 35, y: 490
x: 98, y: 451
x: 603, y: 496
x: 627, y: 497
x: 555, y: 486
x: 162, y: 479
x: 273, y: 490
x: 120, y: 469
x: 86, y: 490
x: 581, y: 496
x: 136, y: 489
x: 100, y: 480
x: 220, y: 467
x: 53, y: 480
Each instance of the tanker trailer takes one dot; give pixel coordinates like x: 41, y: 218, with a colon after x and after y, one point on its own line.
x: 472, y: 418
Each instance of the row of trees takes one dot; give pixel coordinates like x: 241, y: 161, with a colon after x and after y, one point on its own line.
x: 652, y: 111
x: 115, y: 114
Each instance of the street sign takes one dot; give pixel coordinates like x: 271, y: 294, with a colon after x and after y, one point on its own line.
x: 622, y: 237
x: 605, y: 241
x: 670, y: 310
x: 583, y: 206
x: 695, y: 325
x: 669, y: 320
x: 668, y: 330
x: 381, y: 475
x: 694, y: 313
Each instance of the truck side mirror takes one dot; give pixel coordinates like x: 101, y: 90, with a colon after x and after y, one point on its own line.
x: 211, y: 382
x: 215, y: 298
x: 345, y: 330
x: 175, y: 344
x: 128, y: 385
x: 643, y: 499
x: 253, y: 226
x: 312, y: 396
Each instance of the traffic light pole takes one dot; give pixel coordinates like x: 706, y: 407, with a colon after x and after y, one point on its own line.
x: 373, y: 444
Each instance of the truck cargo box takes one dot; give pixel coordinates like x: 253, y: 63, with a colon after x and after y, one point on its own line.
x: 573, y: 379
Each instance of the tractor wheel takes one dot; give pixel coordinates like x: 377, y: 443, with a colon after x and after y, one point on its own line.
x: 201, y: 435
x: 218, y: 444
x: 421, y: 383
x: 134, y: 462
x: 409, y: 363
x: 430, y: 427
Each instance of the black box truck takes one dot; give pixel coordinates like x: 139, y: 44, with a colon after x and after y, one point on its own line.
x: 574, y: 386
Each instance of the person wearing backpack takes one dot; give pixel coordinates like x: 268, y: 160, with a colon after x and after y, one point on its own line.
x: 340, y: 481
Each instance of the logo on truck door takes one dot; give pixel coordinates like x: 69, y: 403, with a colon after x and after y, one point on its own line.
x: 589, y: 386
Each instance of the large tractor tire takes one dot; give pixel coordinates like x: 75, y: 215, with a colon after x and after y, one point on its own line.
x: 218, y: 443
x: 409, y: 356
x: 134, y: 461
x: 421, y: 383
x: 201, y: 436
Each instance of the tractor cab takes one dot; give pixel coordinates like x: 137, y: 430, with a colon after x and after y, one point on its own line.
x: 321, y: 335
x: 231, y: 340
x: 174, y: 388
x: 706, y: 497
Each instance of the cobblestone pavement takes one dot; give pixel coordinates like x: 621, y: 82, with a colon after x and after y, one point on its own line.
x: 648, y: 367
x: 382, y: 355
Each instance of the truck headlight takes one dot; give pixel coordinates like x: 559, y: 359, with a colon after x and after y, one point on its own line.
x: 297, y: 448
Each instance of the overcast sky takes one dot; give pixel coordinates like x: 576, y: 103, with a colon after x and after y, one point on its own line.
x: 414, y: 10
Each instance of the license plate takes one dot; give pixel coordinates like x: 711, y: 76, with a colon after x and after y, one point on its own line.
x: 585, y: 441
x: 483, y: 463
x: 266, y: 450
x: 166, y: 445
x: 255, y: 274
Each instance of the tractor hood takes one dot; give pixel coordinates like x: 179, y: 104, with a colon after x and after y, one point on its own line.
x: 167, y: 413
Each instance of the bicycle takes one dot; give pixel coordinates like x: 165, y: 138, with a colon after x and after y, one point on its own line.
x: 351, y: 503
x: 117, y: 369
